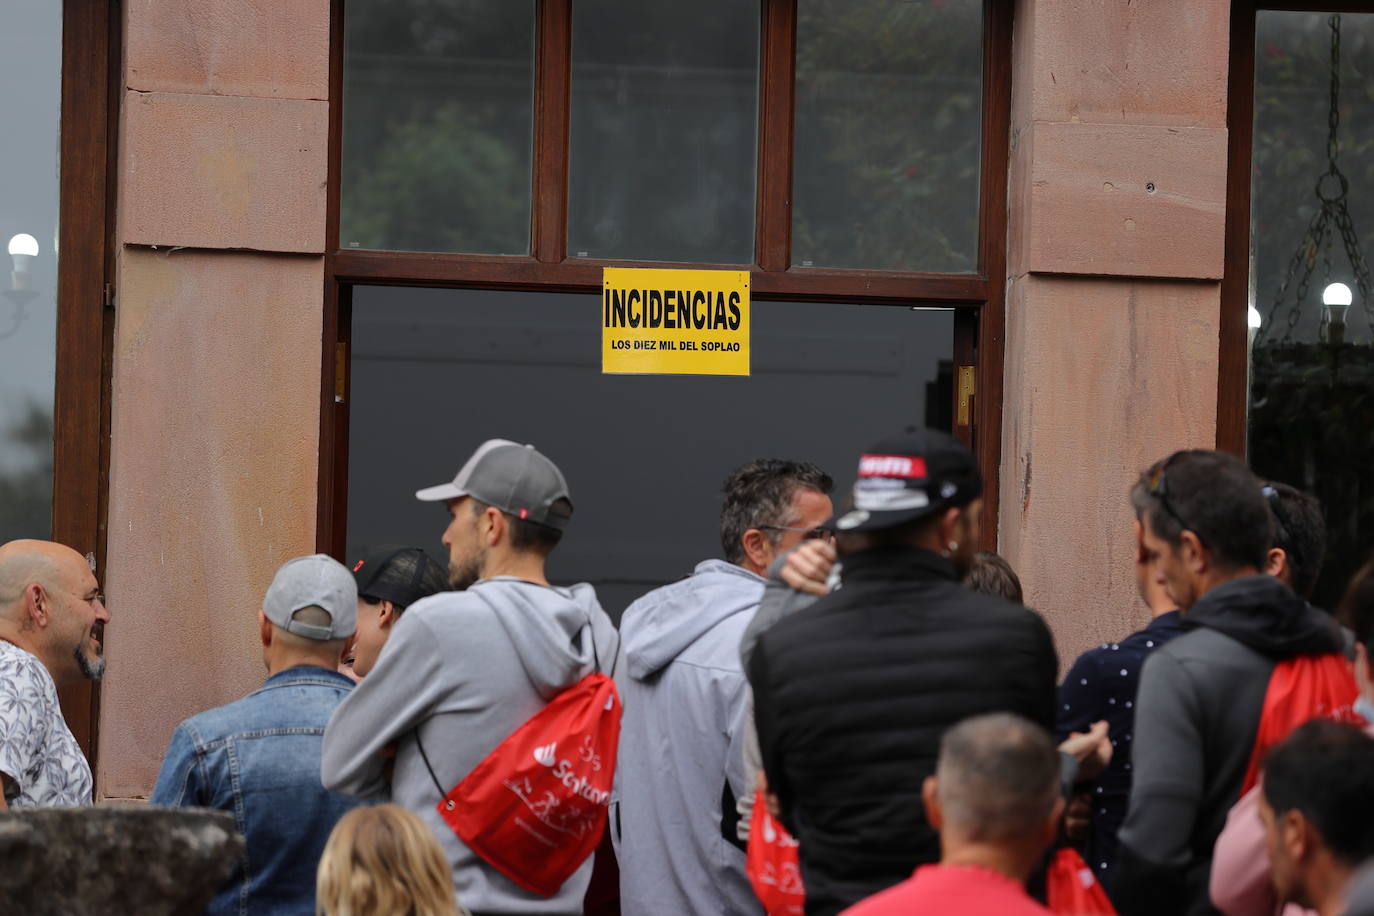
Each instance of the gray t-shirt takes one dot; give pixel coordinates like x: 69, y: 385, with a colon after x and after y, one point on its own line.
x: 38, y: 752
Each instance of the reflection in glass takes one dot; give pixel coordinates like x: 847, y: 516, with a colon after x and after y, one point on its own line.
x: 31, y: 69
x: 435, y: 372
x: 438, y: 125
x: 664, y: 130
x: 1311, y: 420
x: 888, y: 129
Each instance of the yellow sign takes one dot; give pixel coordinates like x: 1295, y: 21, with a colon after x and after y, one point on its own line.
x: 675, y: 322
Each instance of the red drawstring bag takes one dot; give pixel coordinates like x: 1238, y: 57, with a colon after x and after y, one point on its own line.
x: 1071, y: 888
x: 772, y: 864
x: 1302, y: 688
x: 535, y: 808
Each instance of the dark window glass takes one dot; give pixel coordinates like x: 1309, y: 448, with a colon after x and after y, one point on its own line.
x: 664, y: 130
x: 888, y: 134
x: 31, y: 66
x: 1311, y: 421
x: 436, y: 372
x: 438, y: 125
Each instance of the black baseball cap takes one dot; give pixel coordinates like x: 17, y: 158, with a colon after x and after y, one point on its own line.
x: 907, y: 477
x: 399, y: 574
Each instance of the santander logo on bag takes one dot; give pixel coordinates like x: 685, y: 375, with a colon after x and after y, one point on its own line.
x: 535, y: 808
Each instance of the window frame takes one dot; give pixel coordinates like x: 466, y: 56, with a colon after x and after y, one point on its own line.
x: 977, y: 297
x: 1233, y: 354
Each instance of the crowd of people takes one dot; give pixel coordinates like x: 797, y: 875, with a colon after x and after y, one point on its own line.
x: 848, y: 711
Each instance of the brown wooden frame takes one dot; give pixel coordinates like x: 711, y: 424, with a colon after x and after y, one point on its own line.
x: 978, y: 297
x: 85, y: 325
x: 1233, y: 358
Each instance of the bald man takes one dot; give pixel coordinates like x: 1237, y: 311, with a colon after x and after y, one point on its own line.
x: 52, y: 621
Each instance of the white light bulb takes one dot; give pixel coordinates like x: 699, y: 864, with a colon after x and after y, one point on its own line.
x: 1255, y: 319
x: 1337, y: 294
x: 23, y: 243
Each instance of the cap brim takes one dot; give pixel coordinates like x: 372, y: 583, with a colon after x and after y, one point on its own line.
x: 442, y: 493
x: 877, y: 519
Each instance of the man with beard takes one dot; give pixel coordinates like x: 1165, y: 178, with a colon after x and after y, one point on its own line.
x: 853, y: 693
x: 52, y: 619
x: 463, y: 670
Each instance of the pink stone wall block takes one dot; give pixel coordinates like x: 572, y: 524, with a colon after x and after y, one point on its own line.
x: 1150, y: 62
x: 268, y: 48
x: 1123, y: 200
x: 207, y: 171
x: 1103, y: 377
x: 217, y: 362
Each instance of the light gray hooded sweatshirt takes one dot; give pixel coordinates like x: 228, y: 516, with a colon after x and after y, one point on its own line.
x: 462, y: 671
x: 680, y: 739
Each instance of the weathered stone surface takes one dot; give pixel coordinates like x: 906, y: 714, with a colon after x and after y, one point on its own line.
x: 213, y: 456
x: 99, y: 861
x: 204, y: 171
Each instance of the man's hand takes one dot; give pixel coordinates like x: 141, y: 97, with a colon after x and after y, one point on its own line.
x: 808, y: 567
x: 1078, y: 818
x: 1091, y: 749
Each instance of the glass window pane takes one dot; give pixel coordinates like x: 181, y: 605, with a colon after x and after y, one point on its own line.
x: 31, y: 66
x: 436, y: 372
x: 664, y: 130
x: 1311, y: 421
x: 438, y: 125
x: 888, y: 134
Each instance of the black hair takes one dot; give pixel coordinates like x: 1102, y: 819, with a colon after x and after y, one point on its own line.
x: 1357, y: 606
x: 1299, y: 531
x: 759, y: 494
x: 1325, y: 770
x: 1215, y: 496
x: 530, y: 535
x: 991, y: 574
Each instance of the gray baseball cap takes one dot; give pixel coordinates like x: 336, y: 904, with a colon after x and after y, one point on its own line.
x: 514, y: 478
x: 313, y: 581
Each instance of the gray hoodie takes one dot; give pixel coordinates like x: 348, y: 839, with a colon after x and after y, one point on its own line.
x: 680, y: 764
x: 462, y: 671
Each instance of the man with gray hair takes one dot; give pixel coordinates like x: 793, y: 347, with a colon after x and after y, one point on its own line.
x: 995, y: 800
x: 52, y: 625
x: 681, y: 766
x: 259, y: 757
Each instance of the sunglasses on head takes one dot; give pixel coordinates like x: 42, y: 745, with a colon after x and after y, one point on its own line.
x: 1159, y: 489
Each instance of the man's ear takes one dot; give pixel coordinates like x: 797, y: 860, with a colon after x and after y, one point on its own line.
x: 952, y: 527
x: 492, y: 526
x: 386, y: 614
x: 37, y: 607
x: 1276, y: 562
x: 757, y: 547
x: 1295, y: 833
x: 1195, y: 557
x: 264, y: 629
x: 929, y: 795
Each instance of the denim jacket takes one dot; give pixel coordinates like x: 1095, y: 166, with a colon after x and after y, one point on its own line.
x: 259, y: 758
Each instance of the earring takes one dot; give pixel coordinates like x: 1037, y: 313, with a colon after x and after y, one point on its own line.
x: 953, y: 546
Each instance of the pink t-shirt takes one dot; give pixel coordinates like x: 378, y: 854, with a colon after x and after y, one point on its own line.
x: 965, y: 890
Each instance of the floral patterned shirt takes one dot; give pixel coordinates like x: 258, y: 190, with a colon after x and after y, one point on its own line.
x: 38, y: 752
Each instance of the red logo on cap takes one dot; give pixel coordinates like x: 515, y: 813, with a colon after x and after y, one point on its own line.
x: 359, y: 566
x: 903, y: 466
x: 524, y: 513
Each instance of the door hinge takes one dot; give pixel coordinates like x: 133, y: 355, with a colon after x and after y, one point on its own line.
x: 109, y: 295
x: 966, y: 389
x: 340, y: 371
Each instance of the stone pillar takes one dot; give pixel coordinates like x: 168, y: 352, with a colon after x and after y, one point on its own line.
x: 1118, y: 189
x: 217, y: 356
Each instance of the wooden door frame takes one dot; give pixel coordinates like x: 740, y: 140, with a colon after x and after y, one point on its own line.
x: 85, y: 326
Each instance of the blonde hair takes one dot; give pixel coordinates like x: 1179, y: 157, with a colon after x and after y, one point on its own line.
x: 383, y: 859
